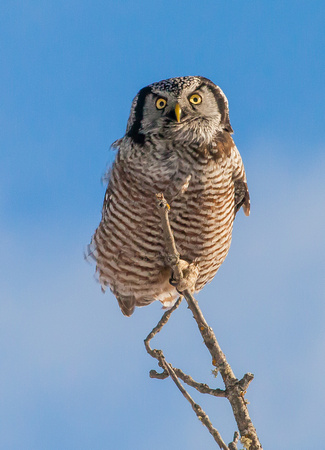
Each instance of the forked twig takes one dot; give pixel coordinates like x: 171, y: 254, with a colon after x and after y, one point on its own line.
x: 169, y: 370
x: 235, y: 389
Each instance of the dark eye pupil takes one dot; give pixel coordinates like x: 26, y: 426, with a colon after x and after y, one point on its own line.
x: 194, y: 99
x: 161, y: 103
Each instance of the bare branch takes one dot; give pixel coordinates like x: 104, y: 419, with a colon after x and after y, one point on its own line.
x: 202, y: 416
x: 201, y: 387
x: 168, y: 370
x: 172, y: 255
x: 160, y: 376
x: 159, y: 326
x: 245, y: 381
x: 233, y: 445
x: 235, y: 389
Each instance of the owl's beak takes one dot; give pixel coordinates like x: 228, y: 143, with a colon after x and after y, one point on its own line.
x: 178, y: 112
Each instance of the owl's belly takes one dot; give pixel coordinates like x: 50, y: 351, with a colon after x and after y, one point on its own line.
x: 130, y: 250
x: 202, y: 228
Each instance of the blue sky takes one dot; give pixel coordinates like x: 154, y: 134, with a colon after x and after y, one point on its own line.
x: 74, y: 371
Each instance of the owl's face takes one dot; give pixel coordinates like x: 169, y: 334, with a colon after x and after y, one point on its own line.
x: 190, y: 109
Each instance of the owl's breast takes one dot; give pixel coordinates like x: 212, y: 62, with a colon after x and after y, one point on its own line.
x: 202, y: 219
x: 129, y: 240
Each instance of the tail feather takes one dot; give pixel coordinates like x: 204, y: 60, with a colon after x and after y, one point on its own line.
x: 126, y: 303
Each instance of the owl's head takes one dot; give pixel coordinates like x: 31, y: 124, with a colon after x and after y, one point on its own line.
x: 190, y: 109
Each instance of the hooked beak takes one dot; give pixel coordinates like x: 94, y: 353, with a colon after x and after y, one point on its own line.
x: 178, y: 112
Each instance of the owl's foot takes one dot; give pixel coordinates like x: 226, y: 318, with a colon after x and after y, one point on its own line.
x: 190, y: 274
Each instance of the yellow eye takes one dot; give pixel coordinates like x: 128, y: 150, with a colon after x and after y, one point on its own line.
x: 196, y: 99
x: 161, y: 103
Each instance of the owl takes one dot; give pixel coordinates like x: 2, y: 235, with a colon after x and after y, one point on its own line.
x: 177, y: 142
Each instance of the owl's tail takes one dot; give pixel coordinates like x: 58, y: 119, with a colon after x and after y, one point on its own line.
x: 126, y: 303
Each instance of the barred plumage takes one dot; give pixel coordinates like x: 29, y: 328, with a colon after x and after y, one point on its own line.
x: 182, y: 147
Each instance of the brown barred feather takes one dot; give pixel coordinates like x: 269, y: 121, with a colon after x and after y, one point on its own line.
x: 205, y: 185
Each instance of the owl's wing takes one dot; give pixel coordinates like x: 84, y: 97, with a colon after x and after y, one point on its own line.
x: 242, y: 196
x: 240, y: 184
x: 225, y: 146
